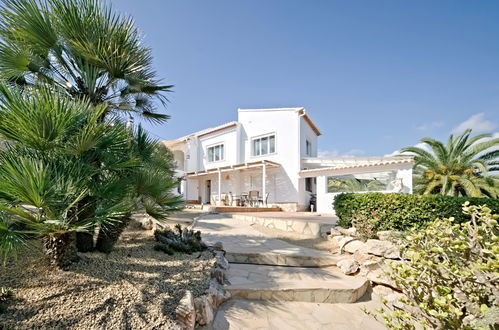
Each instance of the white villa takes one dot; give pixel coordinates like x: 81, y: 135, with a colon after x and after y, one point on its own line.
x: 268, y: 157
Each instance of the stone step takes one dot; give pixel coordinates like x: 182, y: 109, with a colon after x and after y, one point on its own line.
x: 282, y: 259
x: 238, y: 314
x: 277, y: 283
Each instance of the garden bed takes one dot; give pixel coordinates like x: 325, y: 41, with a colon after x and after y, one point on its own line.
x: 134, y: 287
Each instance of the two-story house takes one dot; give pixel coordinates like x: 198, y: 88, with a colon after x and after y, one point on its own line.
x: 274, y: 152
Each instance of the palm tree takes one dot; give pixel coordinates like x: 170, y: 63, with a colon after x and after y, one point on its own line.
x: 46, y: 170
x: 462, y: 167
x: 80, y: 48
x: 152, y: 186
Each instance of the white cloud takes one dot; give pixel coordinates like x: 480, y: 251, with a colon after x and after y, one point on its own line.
x: 429, y: 126
x: 336, y: 153
x: 417, y: 145
x: 477, y: 123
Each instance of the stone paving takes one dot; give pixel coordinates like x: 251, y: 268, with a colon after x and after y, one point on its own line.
x: 247, y: 245
x: 322, y: 285
x: 238, y: 314
x: 284, y: 286
x: 304, y: 223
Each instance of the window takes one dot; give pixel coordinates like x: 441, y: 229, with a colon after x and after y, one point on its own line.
x: 308, y: 184
x: 264, y: 145
x: 216, y: 153
x: 381, y: 181
x: 308, y: 148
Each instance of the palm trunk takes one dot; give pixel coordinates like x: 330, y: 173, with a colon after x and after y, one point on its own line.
x: 107, y: 238
x: 85, y: 241
x: 60, y: 249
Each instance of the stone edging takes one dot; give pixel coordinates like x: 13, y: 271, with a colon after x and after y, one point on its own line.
x: 192, y: 312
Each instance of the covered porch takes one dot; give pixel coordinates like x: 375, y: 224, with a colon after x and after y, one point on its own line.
x: 242, y: 185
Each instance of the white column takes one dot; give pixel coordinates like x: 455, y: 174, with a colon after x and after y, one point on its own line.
x: 219, y: 202
x: 264, y: 182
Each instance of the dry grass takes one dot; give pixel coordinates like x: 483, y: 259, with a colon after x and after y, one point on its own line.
x: 134, y: 287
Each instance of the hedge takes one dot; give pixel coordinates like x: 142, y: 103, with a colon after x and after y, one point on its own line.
x: 403, y: 211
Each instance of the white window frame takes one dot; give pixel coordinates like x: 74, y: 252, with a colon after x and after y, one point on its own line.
x: 259, y: 137
x: 213, y: 146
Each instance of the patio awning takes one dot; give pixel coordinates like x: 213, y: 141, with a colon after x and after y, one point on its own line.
x: 340, y: 165
x: 229, y: 168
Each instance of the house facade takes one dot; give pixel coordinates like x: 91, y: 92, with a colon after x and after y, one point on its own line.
x: 273, y: 153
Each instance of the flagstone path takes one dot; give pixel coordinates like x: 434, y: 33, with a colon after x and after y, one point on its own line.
x: 278, y: 285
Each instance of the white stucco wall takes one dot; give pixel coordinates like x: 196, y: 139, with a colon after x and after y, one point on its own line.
x: 285, y: 125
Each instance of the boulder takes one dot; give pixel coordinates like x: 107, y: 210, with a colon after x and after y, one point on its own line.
x: 369, y: 266
x: 352, y: 231
x: 220, y: 275
x: 334, y: 232
x: 217, y: 293
x: 204, y: 310
x: 185, y: 313
x: 354, y: 246
x: 220, y: 260
x: 384, y: 249
x: 378, y: 276
x: 340, y: 241
x: 218, y: 246
x: 348, y: 266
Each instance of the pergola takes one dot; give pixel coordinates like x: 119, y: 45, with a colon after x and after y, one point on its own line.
x: 264, y: 164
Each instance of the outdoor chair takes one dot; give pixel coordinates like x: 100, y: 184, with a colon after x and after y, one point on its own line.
x: 263, y: 201
x: 254, y: 195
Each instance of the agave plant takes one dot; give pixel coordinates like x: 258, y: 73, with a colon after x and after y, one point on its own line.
x: 81, y: 48
x: 462, y: 167
x: 46, y: 170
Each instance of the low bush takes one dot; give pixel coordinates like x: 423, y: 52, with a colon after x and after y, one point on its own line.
x: 403, y: 211
x: 178, y: 239
x: 448, y: 275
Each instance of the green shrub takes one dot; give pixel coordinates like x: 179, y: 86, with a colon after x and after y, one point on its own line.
x: 448, y: 275
x: 403, y: 211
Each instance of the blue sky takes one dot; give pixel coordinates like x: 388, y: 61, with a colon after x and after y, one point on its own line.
x: 374, y: 75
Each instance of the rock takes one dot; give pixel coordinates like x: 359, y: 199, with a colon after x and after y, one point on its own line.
x: 334, y: 232
x: 204, y: 310
x: 369, y: 266
x: 218, y: 246
x: 147, y: 224
x: 217, y: 293
x: 384, y: 249
x: 378, y: 276
x: 348, y: 266
x: 387, y: 234
x: 352, y: 231
x: 185, y: 313
x: 354, y: 246
x: 220, y: 260
x: 387, y: 293
x: 220, y: 275
x: 340, y: 241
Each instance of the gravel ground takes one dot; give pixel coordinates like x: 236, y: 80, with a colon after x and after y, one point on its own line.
x: 295, y: 238
x: 134, y: 287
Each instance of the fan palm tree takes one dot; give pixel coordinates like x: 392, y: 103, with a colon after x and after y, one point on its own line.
x: 151, y: 187
x: 46, y: 170
x: 80, y: 48
x: 462, y: 167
